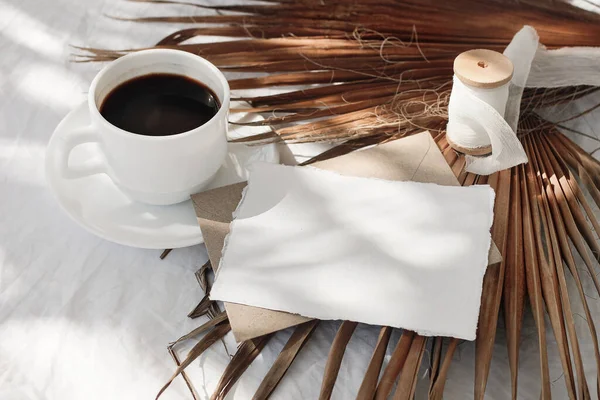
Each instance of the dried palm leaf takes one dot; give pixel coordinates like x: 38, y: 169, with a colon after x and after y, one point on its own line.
x: 369, y: 383
x: 555, y: 198
x: 380, y: 70
x: 241, y: 360
x: 222, y: 317
x: 285, y: 358
x: 395, y: 365
x: 165, y: 253
x: 534, y: 285
x: 436, y: 391
x: 435, y: 360
x: 202, y: 308
x: 202, y: 278
x: 547, y: 258
x: 408, y: 377
x: 493, y: 281
x: 570, y: 261
x: 208, y: 340
x: 514, y: 279
x: 185, y: 377
x: 334, y: 360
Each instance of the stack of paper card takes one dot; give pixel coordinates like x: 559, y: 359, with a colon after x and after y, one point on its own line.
x: 322, y: 245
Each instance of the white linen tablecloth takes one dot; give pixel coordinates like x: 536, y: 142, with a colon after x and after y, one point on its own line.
x: 83, y: 318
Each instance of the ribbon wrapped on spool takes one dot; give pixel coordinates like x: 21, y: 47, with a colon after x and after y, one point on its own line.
x: 484, y: 74
x: 483, y: 111
x: 477, y: 108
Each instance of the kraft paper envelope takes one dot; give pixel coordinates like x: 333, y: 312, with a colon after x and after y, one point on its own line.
x: 416, y: 158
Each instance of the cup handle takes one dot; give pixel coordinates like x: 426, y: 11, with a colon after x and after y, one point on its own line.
x: 72, y: 139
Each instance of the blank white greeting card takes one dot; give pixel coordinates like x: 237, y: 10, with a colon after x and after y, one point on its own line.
x: 402, y: 254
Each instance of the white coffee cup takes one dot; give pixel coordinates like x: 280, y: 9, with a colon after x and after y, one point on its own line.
x: 157, y: 170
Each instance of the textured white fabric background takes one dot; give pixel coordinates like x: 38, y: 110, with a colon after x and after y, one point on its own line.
x: 82, y: 318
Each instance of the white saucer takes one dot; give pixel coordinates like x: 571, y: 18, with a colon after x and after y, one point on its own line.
x: 96, y: 204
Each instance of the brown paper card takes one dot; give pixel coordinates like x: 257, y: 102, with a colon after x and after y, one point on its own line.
x: 414, y: 158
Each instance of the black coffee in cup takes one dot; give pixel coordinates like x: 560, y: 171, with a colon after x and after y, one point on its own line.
x: 160, y: 105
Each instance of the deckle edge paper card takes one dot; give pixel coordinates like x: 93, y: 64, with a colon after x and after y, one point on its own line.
x: 402, y: 254
x: 416, y: 158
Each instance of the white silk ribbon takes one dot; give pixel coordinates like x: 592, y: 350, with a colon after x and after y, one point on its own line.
x: 473, y: 122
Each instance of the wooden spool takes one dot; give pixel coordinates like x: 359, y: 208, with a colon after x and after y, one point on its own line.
x: 484, y: 69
